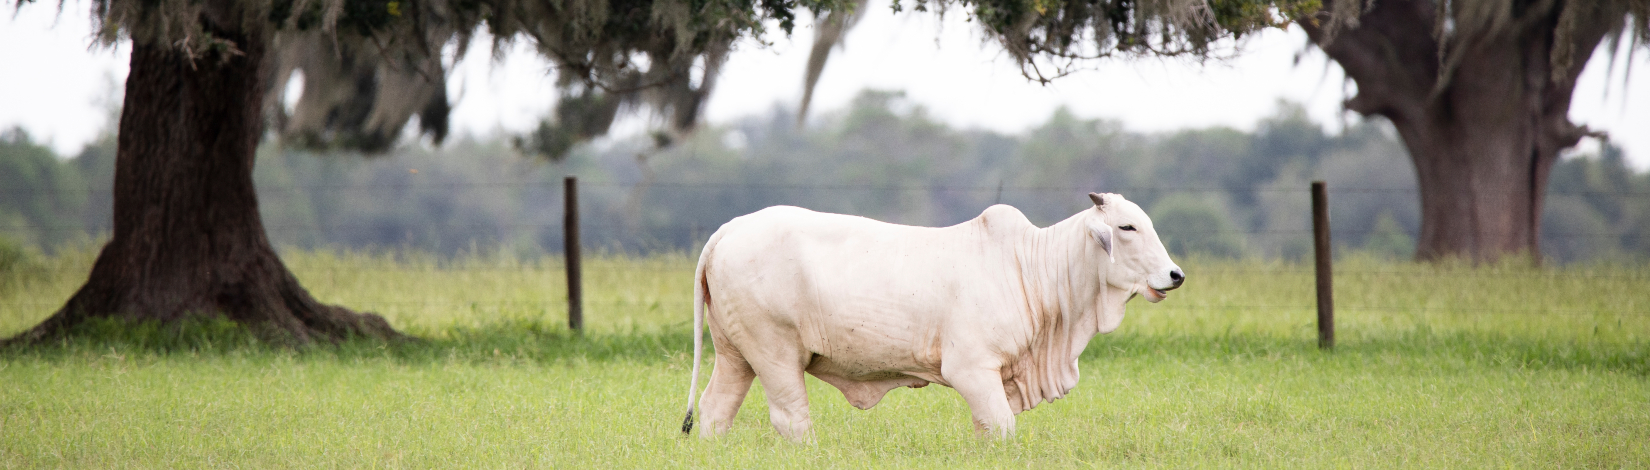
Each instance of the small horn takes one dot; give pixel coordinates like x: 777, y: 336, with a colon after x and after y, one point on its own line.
x: 1099, y: 201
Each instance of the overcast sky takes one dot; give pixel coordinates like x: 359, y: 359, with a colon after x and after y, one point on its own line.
x: 54, y: 81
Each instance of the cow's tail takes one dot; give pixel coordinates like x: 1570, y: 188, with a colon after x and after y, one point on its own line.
x: 701, y: 297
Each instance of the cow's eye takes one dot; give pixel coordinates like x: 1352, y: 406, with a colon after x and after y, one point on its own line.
x: 1127, y: 228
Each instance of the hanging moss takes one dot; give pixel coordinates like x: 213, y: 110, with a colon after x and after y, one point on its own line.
x: 370, y: 65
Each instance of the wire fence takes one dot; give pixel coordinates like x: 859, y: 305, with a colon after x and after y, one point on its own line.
x: 645, y: 215
x: 776, y: 193
x: 631, y: 221
x: 559, y: 306
x: 276, y: 191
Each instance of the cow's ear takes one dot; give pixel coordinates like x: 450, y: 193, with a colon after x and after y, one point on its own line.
x: 1099, y: 201
x: 1103, y: 233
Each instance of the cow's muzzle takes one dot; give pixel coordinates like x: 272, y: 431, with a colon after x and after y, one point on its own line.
x: 1155, y: 295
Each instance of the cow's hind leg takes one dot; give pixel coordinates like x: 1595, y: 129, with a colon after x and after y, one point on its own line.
x: 730, y: 379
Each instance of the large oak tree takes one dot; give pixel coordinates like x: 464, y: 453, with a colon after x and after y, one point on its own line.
x: 1479, y: 91
x: 188, y: 240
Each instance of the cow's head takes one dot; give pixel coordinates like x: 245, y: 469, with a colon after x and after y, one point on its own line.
x: 1138, y: 261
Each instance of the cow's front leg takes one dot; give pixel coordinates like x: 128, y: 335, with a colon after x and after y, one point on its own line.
x: 982, y: 388
x: 780, y: 369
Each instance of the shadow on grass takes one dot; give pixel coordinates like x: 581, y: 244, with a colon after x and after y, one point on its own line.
x: 506, y: 341
x: 539, y: 342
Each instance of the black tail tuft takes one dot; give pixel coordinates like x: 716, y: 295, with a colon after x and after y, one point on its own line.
x: 687, y: 423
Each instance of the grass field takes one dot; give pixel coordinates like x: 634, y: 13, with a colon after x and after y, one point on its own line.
x: 1437, y: 366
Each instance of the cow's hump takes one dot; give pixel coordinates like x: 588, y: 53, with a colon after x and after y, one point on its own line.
x: 1004, y: 221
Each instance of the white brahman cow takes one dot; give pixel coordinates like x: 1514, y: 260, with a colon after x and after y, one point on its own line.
x: 995, y: 307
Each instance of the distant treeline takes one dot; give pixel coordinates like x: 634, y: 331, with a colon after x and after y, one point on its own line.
x: 1216, y: 191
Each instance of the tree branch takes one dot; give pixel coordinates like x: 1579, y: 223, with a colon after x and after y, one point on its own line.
x: 1390, y: 54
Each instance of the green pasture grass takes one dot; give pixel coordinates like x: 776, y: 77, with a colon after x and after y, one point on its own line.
x: 1447, y: 365
x: 1260, y: 403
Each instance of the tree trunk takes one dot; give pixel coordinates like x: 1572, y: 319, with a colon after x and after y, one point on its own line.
x: 188, y: 241
x: 1483, y: 126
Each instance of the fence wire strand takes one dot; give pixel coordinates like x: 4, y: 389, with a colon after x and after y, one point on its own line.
x: 595, y: 269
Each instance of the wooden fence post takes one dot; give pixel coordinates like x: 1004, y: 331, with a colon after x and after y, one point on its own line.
x: 570, y: 247
x: 1323, y: 250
